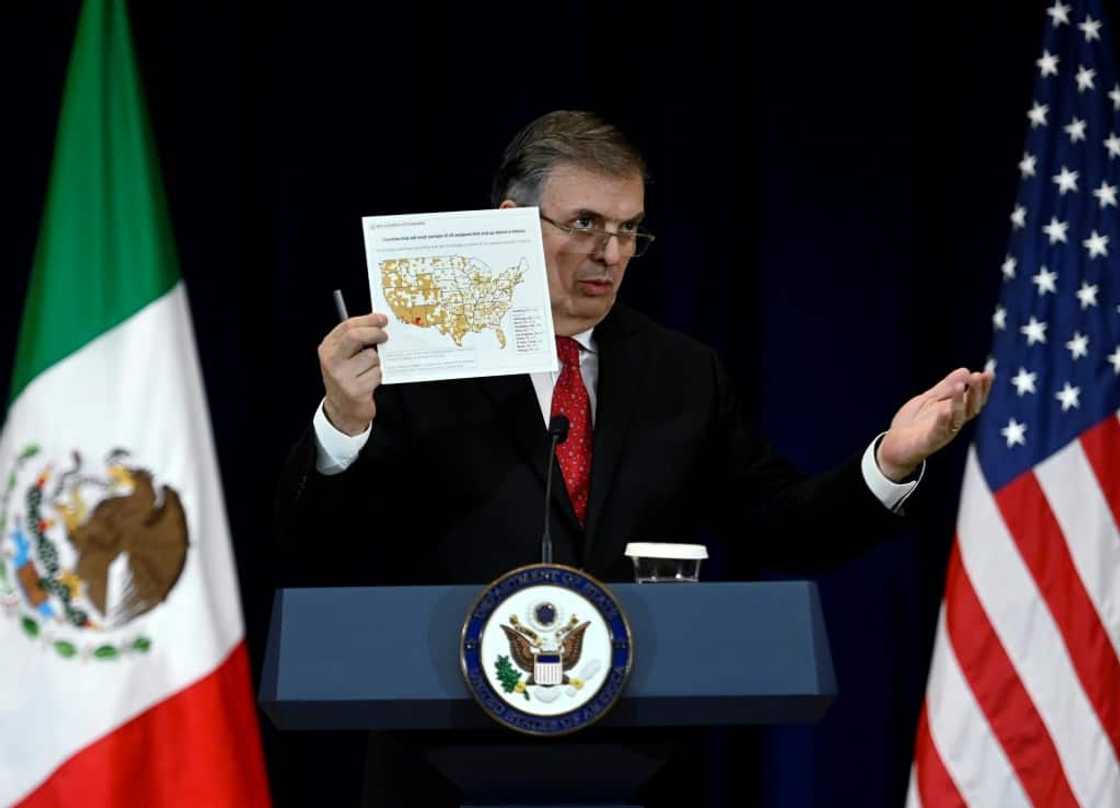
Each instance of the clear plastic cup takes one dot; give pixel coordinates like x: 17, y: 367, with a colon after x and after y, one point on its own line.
x: 664, y: 562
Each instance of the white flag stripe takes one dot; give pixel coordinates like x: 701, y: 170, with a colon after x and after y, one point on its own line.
x: 960, y: 732
x: 913, y: 799
x: 1025, y: 627
x: 143, y: 378
x: 1079, y: 506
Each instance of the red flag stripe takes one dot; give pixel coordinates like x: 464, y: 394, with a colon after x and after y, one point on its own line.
x: 935, y: 786
x: 1043, y: 546
x: 968, y: 749
x: 1032, y: 641
x: 971, y: 753
x: 1084, y: 516
x: 198, y: 747
x: 1102, y: 447
x: 1002, y: 697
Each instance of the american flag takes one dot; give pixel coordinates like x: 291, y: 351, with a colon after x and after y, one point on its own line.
x: 1022, y: 704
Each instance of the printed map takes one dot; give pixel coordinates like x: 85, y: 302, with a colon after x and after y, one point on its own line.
x: 455, y: 295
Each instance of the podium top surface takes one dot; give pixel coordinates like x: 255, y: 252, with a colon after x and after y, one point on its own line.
x: 388, y: 657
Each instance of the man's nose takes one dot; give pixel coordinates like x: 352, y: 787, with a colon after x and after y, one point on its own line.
x: 610, y: 253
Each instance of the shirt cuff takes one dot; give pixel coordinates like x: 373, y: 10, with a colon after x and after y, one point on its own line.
x: 334, y: 450
x: 887, y: 491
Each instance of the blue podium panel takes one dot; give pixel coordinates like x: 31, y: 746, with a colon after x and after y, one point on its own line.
x: 704, y: 655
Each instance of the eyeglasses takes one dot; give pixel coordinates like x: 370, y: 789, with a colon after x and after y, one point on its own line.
x: 588, y: 240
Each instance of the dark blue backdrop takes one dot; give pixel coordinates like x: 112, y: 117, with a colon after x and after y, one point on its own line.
x: 831, y: 190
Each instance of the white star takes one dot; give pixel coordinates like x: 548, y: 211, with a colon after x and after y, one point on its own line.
x: 1091, y: 27
x: 1078, y: 346
x: 1115, y: 96
x: 1112, y: 143
x: 1018, y: 217
x: 1034, y: 331
x: 1058, y: 14
x: 1085, y: 78
x: 1048, y: 64
x: 999, y: 319
x: 1008, y: 267
x: 990, y: 365
x: 1087, y: 294
x: 1024, y: 381
x: 1068, y: 396
x: 1056, y: 230
x: 1066, y: 180
x: 1015, y: 433
x: 1037, y: 114
x: 1044, y: 280
x: 1075, y: 130
x: 1096, y: 245
x: 1106, y: 194
x: 1026, y: 165
x: 1114, y: 358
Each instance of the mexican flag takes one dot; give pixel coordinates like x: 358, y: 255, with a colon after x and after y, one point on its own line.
x: 124, y: 679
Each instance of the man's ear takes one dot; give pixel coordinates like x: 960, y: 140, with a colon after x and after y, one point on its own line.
x: 507, y: 203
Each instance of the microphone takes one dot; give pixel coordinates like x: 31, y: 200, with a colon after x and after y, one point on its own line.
x: 558, y: 431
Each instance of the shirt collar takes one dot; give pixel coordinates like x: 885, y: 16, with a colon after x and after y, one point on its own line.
x: 586, y: 340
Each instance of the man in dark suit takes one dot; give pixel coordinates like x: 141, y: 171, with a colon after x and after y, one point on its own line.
x: 458, y: 468
x: 446, y: 479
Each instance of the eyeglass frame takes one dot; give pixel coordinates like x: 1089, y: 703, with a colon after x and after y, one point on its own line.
x: 642, y: 239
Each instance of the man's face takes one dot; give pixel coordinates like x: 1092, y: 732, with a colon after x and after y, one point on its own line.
x: 582, y: 283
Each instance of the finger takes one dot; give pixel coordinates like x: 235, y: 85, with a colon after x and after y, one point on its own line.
x: 974, y: 396
x: 971, y: 403
x: 373, y: 319
x: 989, y: 380
x: 979, y: 388
x: 946, y: 387
x: 353, y: 339
x: 362, y: 362
x: 942, y: 431
x: 359, y: 387
x: 370, y: 380
x: 957, y: 410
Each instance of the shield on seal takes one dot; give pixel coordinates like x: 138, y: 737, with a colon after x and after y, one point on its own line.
x: 548, y: 669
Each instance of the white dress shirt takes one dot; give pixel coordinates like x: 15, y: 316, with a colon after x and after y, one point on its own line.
x: 337, y: 450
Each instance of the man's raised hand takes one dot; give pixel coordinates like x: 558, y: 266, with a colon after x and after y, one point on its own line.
x: 351, y: 371
x: 931, y: 420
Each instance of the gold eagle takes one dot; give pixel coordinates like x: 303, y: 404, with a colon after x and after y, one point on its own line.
x: 521, y: 649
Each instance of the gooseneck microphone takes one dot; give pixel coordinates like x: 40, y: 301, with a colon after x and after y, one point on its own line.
x: 558, y: 431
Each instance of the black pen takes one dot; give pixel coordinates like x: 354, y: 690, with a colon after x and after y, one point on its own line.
x: 340, y: 304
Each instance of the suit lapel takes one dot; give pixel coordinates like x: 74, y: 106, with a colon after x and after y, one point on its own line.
x: 622, y: 369
x: 517, y: 405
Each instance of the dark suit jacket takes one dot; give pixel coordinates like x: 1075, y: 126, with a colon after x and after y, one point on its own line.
x: 450, y: 486
x: 450, y: 489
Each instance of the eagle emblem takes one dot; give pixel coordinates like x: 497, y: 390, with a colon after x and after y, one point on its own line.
x: 89, y: 547
x: 546, y: 649
x: 546, y: 655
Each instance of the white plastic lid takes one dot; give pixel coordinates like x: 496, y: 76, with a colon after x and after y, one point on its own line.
x: 654, y: 549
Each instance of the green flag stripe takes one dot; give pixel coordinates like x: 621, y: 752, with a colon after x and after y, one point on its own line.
x: 105, y: 246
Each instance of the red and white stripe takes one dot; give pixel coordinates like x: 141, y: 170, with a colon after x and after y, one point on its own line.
x: 1023, y: 700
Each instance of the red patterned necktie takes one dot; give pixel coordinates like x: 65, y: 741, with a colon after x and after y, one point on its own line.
x: 569, y: 398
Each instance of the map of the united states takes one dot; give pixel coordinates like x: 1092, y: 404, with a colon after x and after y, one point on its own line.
x: 456, y: 295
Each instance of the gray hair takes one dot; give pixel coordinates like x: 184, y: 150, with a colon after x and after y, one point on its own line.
x: 577, y: 138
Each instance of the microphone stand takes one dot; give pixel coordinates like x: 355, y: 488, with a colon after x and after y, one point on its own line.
x: 558, y: 431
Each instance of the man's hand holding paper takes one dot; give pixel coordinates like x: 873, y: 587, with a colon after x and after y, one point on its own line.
x: 351, y: 371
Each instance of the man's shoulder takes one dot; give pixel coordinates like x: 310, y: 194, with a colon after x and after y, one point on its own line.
x: 626, y: 323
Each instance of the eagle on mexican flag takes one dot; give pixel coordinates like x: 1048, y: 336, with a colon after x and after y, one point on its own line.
x: 124, y: 678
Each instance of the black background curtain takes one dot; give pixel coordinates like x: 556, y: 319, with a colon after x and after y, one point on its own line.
x: 831, y: 190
